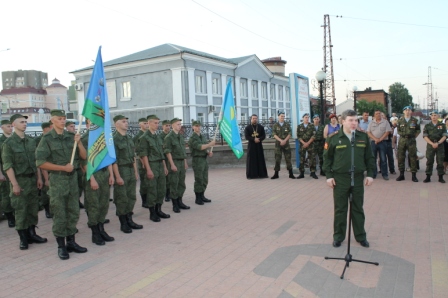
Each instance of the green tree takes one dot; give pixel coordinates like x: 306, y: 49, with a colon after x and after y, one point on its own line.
x: 363, y: 105
x: 399, y: 97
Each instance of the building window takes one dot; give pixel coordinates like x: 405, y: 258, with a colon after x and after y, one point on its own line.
x: 264, y: 91
x: 200, y: 84
x: 243, y: 88
x: 272, y: 91
x: 287, y: 94
x: 216, y: 86
x: 201, y: 117
x: 280, y: 92
x: 264, y: 116
x: 215, y: 117
x: 254, y: 89
x: 243, y: 117
x: 126, y: 89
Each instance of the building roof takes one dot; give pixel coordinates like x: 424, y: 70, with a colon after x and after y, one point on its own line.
x: 22, y: 91
x: 56, y: 84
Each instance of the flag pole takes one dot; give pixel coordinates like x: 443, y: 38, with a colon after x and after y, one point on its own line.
x: 74, y: 146
x: 217, y: 126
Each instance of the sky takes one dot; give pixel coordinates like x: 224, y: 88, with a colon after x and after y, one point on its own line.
x: 375, y: 43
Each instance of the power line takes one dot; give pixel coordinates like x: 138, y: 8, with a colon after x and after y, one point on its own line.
x: 391, y: 22
x: 390, y: 55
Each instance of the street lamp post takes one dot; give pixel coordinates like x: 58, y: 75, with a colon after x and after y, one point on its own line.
x: 320, y: 77
x: 355, y: 88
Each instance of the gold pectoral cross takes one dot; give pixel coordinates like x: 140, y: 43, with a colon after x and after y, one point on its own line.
x: 255, y: 134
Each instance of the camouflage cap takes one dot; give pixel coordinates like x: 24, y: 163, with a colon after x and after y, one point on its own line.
x: 316, y: 116
x: 119, y: 117
x: 196, y: 123
x: 152, y: 117
x: 279, y: 112
x: 407, y: 107
x: 433, y: 113
x: 142, y: 120
x: 174, y: 120
x: 17, y: 116
x: 306, y: 114
x: 165, y: 122
x: 69, y: 123
x: 5, y: 122
x: 59, y: 113
x: 45, y: 125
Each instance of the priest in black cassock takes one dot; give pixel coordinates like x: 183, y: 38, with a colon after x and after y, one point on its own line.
x: 255, y: 165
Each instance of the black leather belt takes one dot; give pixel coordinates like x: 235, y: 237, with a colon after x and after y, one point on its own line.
x: 26, y: 175
x: 63, y: 173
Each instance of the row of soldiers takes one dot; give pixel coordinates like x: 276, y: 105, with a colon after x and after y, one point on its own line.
x: 45, y: 164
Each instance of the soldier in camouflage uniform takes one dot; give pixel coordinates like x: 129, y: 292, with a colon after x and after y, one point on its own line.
x: 4, y: 181
x: 71, y: 127
x: 143, y: 123
x: 434, y: 133
x: 151, y: 152
x: 319, y: 142
x: 126, y: 175
x: 281, y: 131
x: 53, y: 154
x: 18, y: 156
x: 44, y: 199
x: 174, y: 148
x: 408, y: 129
x: 198, y: 145
x: 166, y: 128
x: 306, y: 134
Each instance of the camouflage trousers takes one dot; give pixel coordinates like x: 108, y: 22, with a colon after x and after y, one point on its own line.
x: 156, y: 187
x: 5, y: 197
x: 311, y: 157
x: 80, y: 175
x: 319, y: 152
x: 430, y: 153
x: 200, y: 170
x: 64, y: 204
x: 279, y: 151
x: 409, y: 145
x: 26, y: 204
x: 96, y: 202
x: 142, y: 175
x: 177, y: 179
x: 125, y: 195
x: 44, y: 199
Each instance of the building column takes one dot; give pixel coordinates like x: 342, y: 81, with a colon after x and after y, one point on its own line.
x: 191, y: 94
x: 249, y: 97
x: 260, y: 103
x: 268, y: 95
x: 176, y: 74
x: 276, y: 98
x: 208, y: 83
x: 238, y: 98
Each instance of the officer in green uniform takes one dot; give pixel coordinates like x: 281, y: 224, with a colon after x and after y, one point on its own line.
x: 151, y: 152
x: 306, y: 134
x: 96, y: 196
x: 166, y: 128
x: 319, y: 142
x: 337, y: 166
x: 434, y: 133
x: 143, y: 124
x: 4, y: 181
x: 44, y: 199
x: 174, y: 148
x: 71, y: 127
x: 54, y: 155
x: 18, y: 156
x: 408, y: 129
x: 281, y: 131
x: 198, y: 145
x: 126, y: 175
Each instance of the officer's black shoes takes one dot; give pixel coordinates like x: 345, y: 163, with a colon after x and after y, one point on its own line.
x: 11, y: 219
x: 72, y: 246
x: 34, y: 237
x: 47, y: 211
x: 23, y: 239
x: 175, y: 205
x: 153, y: 215
x: 401, y: 177
x: 62, y: 249
x: 131, y: 223
x: 167, y: 195
x: 428, y: 179
x: 322, y: 173
x: 441, y: 179
x: 198, y: 199
x: 124, y: 224
x: 96, y: 237
x: 364, y: 243
x: 291, y: 175
x: 275, y: 175
x: 313, y: 175
x: 302, y: 175
x: 144, y: 203
x: 205, y: 200
x: 414, y: 177
x: 81, y: 205
x: 160, y: 213
x: 107, y: 221
x: 182, y: 205
x: 103, y: 233
x: 336, y: 243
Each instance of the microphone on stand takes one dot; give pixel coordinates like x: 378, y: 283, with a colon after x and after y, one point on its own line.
x: 353, y: 136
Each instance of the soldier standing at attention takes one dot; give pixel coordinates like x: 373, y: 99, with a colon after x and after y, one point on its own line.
x: 143, y: 123
x: 4, y: 181
x: 174, y: 148
x: 44, y: 199
x: 306, y: 134
x: 151, y: 152
x: 166, y: 128
x: 282, y: 133
x: 435, y: 135
x: 53, y: 154
x: 18, y: 156
x: 70, y: 126
x: 126, y: 175
x: 319, y: 142
x: 408, y: 129
x: 198, y: 146
x: 337, y: 166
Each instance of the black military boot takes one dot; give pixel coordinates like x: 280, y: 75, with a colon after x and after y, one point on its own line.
x: 47, y: 211
x: 204, y: 199
x: 160, y: 213
x: 153, y: 215
x: 182, y: 205
x: 124, y: 224
x: 81, y: 205
x: 144, y: 203
x: 414, y: 177
x: 198, y: 199
x: 313, y: 175
x: 302, y: 175
x: 291, y: 175
x: 131, y: 223
x: 428, y: 179
x: 176, y: 208
x: 34, y: 237
x: 167, y: 195
x: 401, y: 177
x: 11, y: 219
x: 72, y: 246
x: 96, y: 237
x: 23, y: 239
x: 275, y: 175
x: 441, y: 179
x: 103, y: 233
x: 62, y: 249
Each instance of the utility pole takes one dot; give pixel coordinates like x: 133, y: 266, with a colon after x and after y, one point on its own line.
x: 429, y: 89
x: 329, y: 93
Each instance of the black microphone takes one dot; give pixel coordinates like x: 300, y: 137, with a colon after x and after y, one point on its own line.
x: 353, y: 137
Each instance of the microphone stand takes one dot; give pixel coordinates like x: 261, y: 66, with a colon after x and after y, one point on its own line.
x: 348, y: 257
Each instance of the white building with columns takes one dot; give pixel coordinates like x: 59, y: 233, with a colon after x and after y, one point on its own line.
x: 173, y: 81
